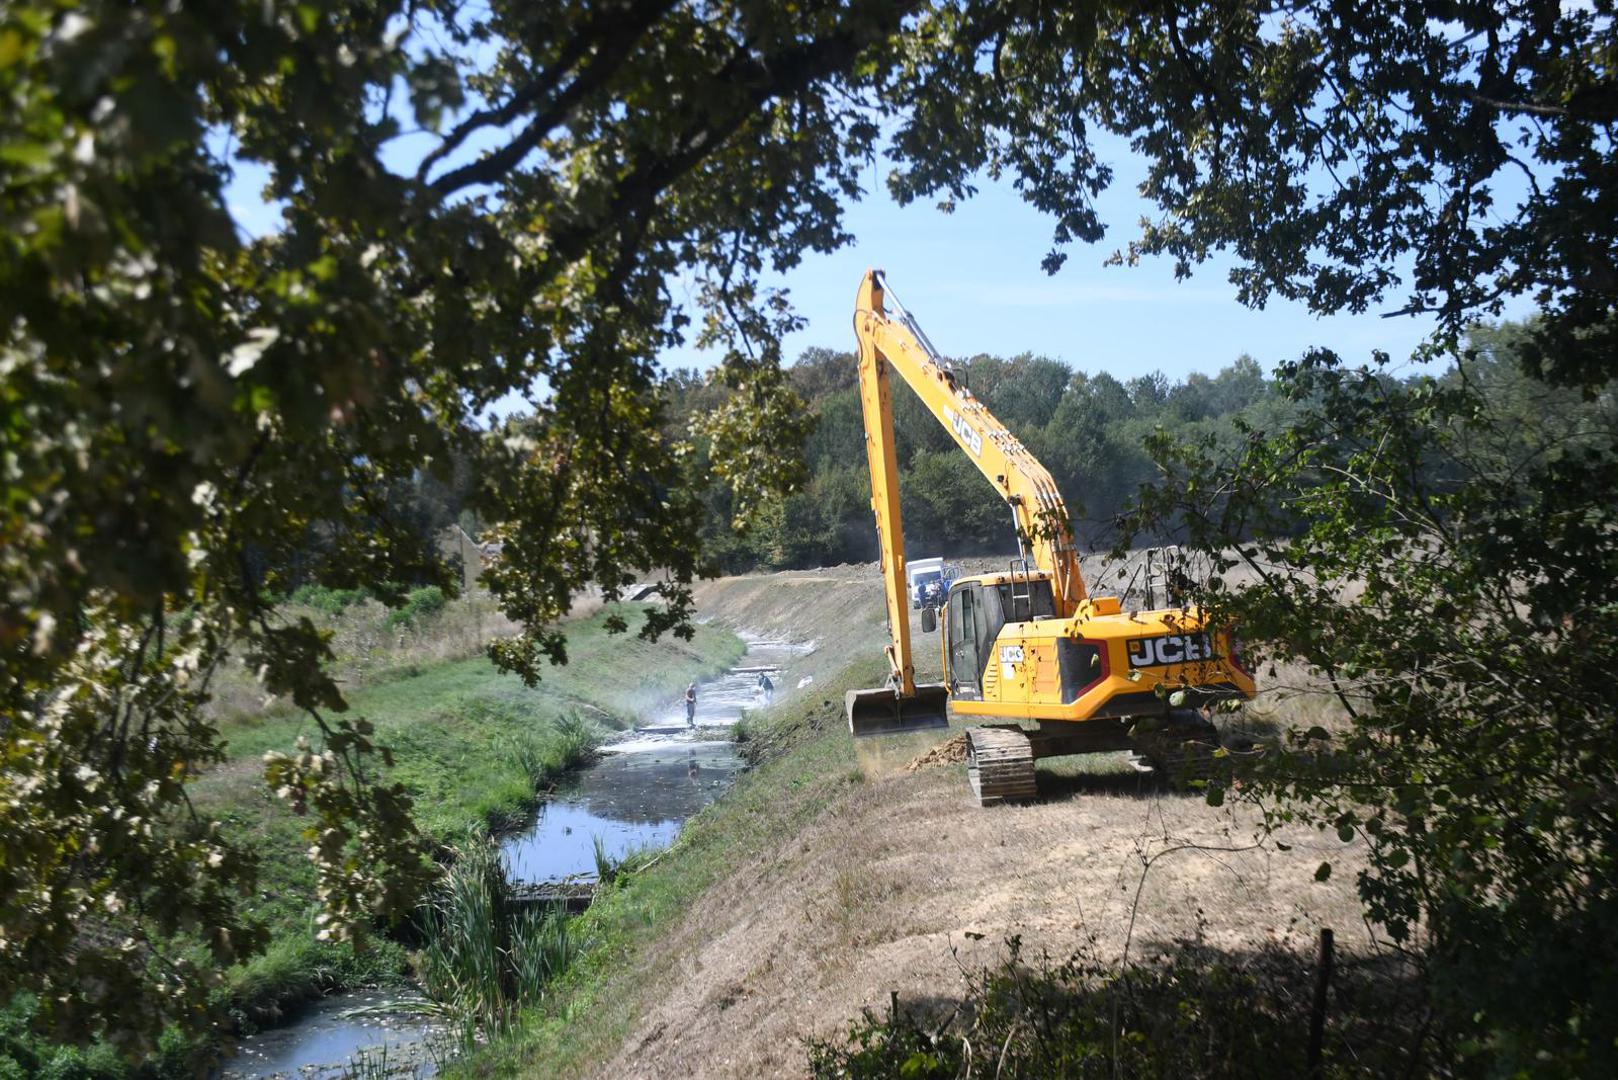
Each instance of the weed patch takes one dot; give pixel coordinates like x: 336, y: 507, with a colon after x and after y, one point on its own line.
x: 419, y: 606
x: 1192, y: 1011
x: 486, y: 956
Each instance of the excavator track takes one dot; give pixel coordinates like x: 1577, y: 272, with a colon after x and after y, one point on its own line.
x: 1000, y: 765
x: 1182, y: 752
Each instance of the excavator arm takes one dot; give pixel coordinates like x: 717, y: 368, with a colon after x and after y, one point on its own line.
x: 888, y: 345
x: 899, y: 345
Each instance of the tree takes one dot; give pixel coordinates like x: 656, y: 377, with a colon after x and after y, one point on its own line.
x: 1441, y: 550
x: 182, y: 402
x: 1022, y: 392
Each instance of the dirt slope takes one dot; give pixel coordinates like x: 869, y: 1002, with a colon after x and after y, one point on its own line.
x: 900, y: 879
x: 887, y: 889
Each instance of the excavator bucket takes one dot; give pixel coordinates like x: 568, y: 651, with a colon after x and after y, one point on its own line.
x: 883, y: 712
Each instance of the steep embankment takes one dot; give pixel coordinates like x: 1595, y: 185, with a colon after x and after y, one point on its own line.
x: 834, y: 875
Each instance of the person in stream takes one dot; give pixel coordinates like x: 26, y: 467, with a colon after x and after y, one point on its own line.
x: 766, y: 689
x: 691, y: 705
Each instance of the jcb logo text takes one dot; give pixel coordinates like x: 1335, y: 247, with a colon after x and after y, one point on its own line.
x: 969, y: 436
x: 1170, y: 649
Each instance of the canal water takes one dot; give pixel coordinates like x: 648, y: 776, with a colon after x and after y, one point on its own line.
x: 389, y: 1031
x: 635, y: 797
x: 647, y: 782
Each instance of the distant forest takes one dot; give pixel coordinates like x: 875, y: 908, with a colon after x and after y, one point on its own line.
x: 1089, y: 429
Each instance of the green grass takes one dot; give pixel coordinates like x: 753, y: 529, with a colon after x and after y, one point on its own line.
x: 472, y: 745
x: 803, y: 760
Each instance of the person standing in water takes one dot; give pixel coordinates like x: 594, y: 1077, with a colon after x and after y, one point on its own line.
x: 691, y: 705
x: 766, y: 689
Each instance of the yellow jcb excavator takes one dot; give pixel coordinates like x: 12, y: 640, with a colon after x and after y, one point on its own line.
x: 1027, y: 644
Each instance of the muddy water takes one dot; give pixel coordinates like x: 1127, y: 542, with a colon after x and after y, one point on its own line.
x: 636, y: 796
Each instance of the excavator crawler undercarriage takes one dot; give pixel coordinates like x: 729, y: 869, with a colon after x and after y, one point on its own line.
x: 1000, y: 765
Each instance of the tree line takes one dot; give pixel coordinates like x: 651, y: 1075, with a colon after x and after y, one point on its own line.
x: 1091, y: 430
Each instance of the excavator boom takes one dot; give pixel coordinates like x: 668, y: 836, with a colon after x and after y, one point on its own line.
x: 887, y: 344
x: 901, y: 705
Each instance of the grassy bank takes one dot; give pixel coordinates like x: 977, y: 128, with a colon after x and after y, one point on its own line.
x: 471, y: 744
x: 803, y: 760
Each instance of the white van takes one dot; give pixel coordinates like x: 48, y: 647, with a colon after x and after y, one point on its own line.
x: 928, y: 580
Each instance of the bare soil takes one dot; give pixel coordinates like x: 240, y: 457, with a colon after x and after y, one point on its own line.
x: 901, y: 881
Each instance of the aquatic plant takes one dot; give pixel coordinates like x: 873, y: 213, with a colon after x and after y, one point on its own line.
x: 545, y: 753
x: 371, y: 1063
x: 610, y: 870
x: 486, y: 954
x: 606, y: 867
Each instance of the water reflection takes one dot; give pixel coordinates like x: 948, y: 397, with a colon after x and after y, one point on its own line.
x: 327, y: 1039
x: 630, y: 801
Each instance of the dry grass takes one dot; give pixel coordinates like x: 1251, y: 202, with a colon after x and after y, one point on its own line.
x: 900, y: 881
x: 367, y: 652
x: 834, y: 875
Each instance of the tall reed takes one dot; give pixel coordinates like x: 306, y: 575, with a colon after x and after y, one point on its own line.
x: 487, y: 955
x: 546, y: 752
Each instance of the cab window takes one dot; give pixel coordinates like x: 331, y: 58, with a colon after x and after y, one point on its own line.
x: 965, y: 657
x: 1034, y: 600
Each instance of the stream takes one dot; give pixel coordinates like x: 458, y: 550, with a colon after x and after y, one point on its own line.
x: 637, y: 794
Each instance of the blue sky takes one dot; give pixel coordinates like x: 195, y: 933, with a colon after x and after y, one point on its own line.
x: 973, y: 280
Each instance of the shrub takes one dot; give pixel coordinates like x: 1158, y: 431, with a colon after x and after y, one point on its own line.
x: 331, y: 601
x: 419, y: 606
x: 26, y: 1053
x: 1439, y: 552
x: 1191, y: 1012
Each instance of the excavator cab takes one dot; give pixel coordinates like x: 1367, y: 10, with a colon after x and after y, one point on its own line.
x: 976, y: 611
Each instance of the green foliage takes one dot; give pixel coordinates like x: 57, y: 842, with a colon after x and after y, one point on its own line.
x: 1190, y: 1012
x: 26, y: 1056
x: 486, y: 955
x: 1443, y: 551
x: 419, y: 606
x: 331, y: 601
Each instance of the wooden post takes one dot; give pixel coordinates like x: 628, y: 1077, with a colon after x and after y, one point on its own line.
x: 1317, y: 1016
